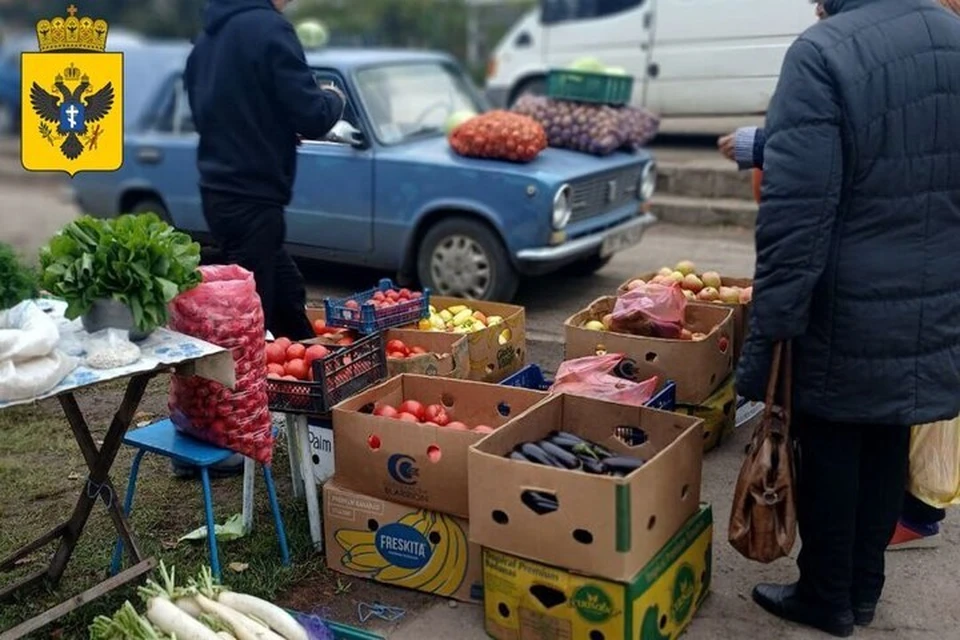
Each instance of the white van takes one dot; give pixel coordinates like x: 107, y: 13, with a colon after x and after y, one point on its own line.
x: 689, y: 57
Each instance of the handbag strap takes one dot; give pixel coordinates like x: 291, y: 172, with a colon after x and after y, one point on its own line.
x: 779, y: 383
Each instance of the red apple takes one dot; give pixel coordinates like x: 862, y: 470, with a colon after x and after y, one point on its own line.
x: 385, y: 410
x: 408, y: 417
x: 352, y: 304
x: 458, y: 426
x: 398, y: 346
x: 483, y: 429
x: 436, y: 413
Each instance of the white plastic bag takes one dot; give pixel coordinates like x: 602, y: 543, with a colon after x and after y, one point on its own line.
x: 110, y: 349
x: 26, y: 332
x: 935, y: 463
x: 30, y: 378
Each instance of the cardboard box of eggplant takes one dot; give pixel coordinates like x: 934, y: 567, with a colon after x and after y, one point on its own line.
x: 583, y: 535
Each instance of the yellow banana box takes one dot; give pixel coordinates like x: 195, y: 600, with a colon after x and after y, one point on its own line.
x: 400, y: 546
x: 718, y: 412
x: 526, y: 600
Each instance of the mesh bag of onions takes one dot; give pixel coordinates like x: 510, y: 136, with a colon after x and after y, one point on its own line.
x: 639, y: 127
x: 225, y: 310
x: 499, y: 135
x: 587, y: 128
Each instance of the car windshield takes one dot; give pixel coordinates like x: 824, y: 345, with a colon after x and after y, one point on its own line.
x: 409, y: 100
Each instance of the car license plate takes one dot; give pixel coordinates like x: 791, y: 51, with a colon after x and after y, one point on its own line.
x: 621, y: 240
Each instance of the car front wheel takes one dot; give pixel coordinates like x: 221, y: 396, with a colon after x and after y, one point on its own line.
x: 463, y: 258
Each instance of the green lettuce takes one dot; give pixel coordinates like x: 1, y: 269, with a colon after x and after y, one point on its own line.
x: 138, y: 260
x: 17, y: 281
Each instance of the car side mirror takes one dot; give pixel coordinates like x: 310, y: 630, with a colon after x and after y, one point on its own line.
x: 345, y: 133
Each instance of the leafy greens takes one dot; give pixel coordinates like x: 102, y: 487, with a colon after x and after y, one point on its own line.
x: 138, y: 260
x: 17, y: 281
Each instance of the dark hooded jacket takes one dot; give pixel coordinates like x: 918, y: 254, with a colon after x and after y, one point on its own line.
x: 251, y: 92
x: 858, y: 234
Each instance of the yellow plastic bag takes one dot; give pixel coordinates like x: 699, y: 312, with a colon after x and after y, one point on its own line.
x: 935, y: 463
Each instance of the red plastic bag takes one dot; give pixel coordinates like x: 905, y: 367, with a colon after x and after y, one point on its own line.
x: 225, y: 310
x: 654, y: 310
x: 593, y: 377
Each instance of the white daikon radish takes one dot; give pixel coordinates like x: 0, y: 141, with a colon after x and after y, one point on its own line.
x: 190, y: 606
x: 223, y: 635
x: 170, y: 619
x: 267, y: 612
x: 243, y: 627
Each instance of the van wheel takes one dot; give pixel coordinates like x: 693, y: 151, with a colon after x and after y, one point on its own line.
x: 534, y: 86
x: 463, y: 258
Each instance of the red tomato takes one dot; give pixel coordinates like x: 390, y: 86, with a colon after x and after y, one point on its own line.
x: 276, y: 353
x: 482, y: 428
x: 319, y: 326
x: 404, y: 294
x: 458, y: 426
x: 296, y: 368
x: 274, y: 369
x: 416, y: 295
x: 352, y: 304
x: 398, y: 346
x: 408, y: 417
x: 289, y: 377
x: 378, y: 296
x: 315, y: 352
x: 285, y: 342
x: 396, y: 355
x: 296, y: 351
x: 418, y: 351
x: 345, y: 341
x: 412, y: 407
x: 437, y: 414
x: 385, y: 410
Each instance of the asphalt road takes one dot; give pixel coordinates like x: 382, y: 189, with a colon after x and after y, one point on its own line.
x: 922, y: 585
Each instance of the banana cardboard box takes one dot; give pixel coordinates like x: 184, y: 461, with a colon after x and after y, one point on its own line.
x: 529, y: 601
x: 719, y: 414
x: 496, y: 334
x: 400, y: 546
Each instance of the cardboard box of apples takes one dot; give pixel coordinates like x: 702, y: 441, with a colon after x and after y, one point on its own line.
x: 706, y: 286
x: 446, y: 355
x: 496, y: 335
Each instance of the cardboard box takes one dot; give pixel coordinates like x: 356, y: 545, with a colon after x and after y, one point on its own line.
x: 741, y: 312
x: 698, y: 367
x: 603, y: 525
x: 448, y: 357
x: 400, y: 546
x: 719, y: 414
x: 530, y: 601
x: 416, y: 464
x: 497, y: 351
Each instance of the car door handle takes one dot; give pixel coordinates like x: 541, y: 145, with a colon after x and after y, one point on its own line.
x: 149, y: 155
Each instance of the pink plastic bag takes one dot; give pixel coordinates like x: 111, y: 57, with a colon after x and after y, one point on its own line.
x: 654, y: 310
x: 225, y: 310
x: 592, y: 377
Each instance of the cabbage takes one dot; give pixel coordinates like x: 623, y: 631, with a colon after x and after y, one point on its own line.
x: 615, y: 71
x: 312, y: 34
x: 456, y: 119
x: 588, y: 64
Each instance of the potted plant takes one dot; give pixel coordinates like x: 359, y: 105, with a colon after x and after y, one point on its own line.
x: 18, y: 282
x: 120, y: 273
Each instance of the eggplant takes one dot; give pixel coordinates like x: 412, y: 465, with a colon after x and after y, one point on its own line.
x: 539, y: 502
x: 593, y: 466
x: 538, y: 455
x: 565, y: 458
x: 623, y: 464
x: 519, y: 457
x: 566, y: 436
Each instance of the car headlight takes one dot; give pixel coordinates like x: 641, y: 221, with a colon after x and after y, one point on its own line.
x: 648, y: 181
x: 562, y: 207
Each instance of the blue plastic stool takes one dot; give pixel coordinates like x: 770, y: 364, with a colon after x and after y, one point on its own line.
x: 163, y: 439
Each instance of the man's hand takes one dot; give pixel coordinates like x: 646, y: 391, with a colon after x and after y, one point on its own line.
x: 726, y: 146
x: 343, y: 132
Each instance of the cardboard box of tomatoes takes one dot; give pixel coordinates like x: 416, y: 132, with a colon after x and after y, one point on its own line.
x: 559, y: 484
x: 446, y: 355
x: 406, y: 439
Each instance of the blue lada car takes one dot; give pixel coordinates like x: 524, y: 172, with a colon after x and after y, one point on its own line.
x: 396, y: 198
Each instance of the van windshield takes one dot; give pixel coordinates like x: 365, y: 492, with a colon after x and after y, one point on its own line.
x: 554, y: 11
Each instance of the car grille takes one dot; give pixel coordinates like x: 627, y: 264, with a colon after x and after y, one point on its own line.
x: 605, y: 192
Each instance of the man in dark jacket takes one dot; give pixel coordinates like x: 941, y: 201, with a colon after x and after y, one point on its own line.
x: 857, y: 265
x: 251, y: 93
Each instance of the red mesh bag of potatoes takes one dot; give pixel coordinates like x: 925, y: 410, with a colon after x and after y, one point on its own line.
x: 499, y: 135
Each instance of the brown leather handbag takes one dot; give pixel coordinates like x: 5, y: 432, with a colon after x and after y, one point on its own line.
x: 763, y: 521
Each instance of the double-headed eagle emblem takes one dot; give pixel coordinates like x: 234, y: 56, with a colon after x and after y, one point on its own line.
x: 72, y: 111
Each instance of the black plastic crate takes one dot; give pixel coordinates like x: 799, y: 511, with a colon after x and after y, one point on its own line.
x: 364, y: 318
x: 345, y: 372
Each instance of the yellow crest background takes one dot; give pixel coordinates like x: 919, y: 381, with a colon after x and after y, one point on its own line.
x: 38, y: 153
